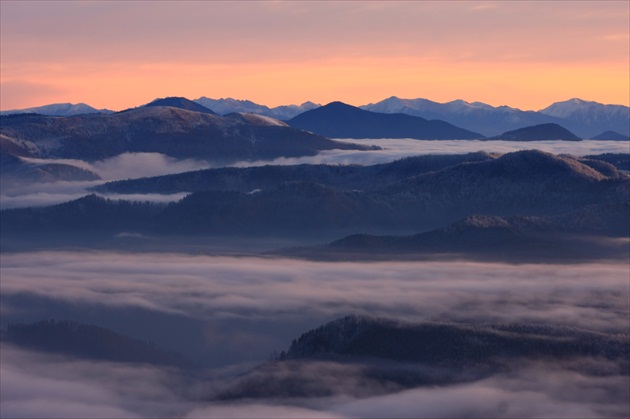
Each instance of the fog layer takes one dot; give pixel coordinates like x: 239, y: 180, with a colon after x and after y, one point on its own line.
x: 232, y: 312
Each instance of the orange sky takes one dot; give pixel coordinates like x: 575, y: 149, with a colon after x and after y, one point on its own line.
x: 117, y: 55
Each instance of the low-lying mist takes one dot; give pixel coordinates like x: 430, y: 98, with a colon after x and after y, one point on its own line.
x: 394, y: 149
x: 229, y: 314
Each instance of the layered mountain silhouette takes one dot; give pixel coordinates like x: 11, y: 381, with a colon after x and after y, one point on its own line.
x: 584, y: 118
x: 339, y: 120
x: 542, y: 132
x: 168, y: 130
x: 526, y: 183
x: 475, y: 116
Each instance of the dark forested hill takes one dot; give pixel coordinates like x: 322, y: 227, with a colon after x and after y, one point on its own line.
x: 338, y: 120
x: 453, y: 344
x: 360, y: 355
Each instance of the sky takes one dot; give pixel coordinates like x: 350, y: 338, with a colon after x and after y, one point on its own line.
x: 116, y: 55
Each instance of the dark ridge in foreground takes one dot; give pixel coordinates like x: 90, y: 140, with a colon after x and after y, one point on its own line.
x: 362, y: 356
x: 452, y: 344
x: 88, y: 341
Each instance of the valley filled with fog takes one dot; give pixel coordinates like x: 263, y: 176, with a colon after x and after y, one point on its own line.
x: 228, y: 315
x: 314, y: 209
x: 125, y: 322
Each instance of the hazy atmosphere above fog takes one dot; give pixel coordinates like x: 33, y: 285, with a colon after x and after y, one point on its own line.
x: 115, y: 55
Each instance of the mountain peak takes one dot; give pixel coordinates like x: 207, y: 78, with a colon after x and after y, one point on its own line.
x: 338, y: 104
x: 181, y: 103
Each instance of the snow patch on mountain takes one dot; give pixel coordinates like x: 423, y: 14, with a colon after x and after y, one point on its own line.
x: 58, y: 109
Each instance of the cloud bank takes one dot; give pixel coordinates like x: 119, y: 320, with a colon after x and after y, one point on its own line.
x: 246, y: 307
x: 393, y: 149
x: 224, y: 287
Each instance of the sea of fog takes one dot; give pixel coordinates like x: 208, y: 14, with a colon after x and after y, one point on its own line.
x: 136, y: 165
x: 231, y: 313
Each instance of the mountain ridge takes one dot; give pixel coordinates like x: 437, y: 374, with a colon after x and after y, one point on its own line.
x: 586, y: 118
x: 167, y: 130
x: 526, y: 184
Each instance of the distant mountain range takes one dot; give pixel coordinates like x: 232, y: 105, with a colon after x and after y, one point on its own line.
x: 229, y: 105
x: 586, y: 119
x: 180, y: 129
